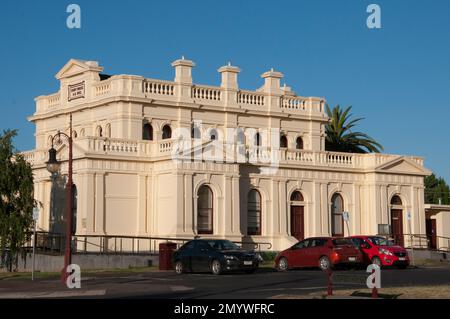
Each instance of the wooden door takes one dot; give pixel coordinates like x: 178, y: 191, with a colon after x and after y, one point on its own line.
x: 397, y: 226
x: 297, y: 222
x: 431, y: 233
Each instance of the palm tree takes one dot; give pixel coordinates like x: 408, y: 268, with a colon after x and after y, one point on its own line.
x: 340, y: 137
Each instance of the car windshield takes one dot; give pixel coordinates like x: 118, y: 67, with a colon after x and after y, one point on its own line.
x: 342, y: 242
x: 223, y: 245
x: 380, y: 241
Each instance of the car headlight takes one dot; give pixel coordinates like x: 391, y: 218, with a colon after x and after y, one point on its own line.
x: 385, y: 252
x: 259, y: 257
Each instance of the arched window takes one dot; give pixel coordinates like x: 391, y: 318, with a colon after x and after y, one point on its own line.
x: 337, y: 219
x: 205, y: 210
x: 74, y: 134
x: 213, y: 135
x: 396, y: 200
x: 82, y: 132
x: 297, y: 197
x: 254, y: 213
x: 99, y: 131
x: 283, y: 141
x: 299, y: 143
x: 258, y: 140
x: 240, y: 139
x: 147, y: 132
x: 166, y: 132
x: 195, y: 132
x: 108, y: 130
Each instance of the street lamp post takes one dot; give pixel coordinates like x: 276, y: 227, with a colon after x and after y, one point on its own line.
x: 53, y: 167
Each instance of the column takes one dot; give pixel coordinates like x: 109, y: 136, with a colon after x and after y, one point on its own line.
x: 189, y: 205
x: 235, y: 206
x: 142, y: 206
x: 100, y: 218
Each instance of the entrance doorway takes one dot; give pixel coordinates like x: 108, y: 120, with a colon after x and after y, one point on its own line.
x: 397, y: 226
x: 431, y: 233
x: 298, y: 222
x: 397, y: 220
x: 297, y: 216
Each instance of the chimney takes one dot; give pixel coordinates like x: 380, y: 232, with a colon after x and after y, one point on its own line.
x: 183, y: 70
x: 229, y: 76
x: 272, y: 81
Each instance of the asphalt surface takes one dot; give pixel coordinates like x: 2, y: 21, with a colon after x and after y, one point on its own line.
x: 265, y: 283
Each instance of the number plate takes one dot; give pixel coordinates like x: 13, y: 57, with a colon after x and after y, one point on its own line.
x: 351, y: 258
x: 248, y: 263
x: 401, y: 258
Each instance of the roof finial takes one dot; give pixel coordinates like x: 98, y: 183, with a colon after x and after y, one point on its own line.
x: 182, y: 57
x: 271, y: 69
x: 229, y: 63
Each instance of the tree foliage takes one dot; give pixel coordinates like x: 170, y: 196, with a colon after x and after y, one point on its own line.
x: 436, y: 189
x: 16, y: 201
x: 341, y: 138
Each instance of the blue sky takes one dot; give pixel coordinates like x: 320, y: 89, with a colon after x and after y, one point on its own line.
x: 397, y: 77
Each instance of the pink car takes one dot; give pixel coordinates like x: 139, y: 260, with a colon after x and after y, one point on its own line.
x: 380, y: 251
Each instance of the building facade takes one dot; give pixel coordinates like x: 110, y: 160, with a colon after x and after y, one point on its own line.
x: 177, y: 159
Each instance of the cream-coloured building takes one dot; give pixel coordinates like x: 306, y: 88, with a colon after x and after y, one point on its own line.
x: 177, y: 159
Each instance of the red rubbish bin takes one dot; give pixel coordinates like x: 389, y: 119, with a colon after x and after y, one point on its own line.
x: 165, y: 255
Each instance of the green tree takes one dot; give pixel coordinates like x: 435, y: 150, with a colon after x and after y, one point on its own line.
x: 436, y: 189
x: 341, y: 138
x: 16, y: 202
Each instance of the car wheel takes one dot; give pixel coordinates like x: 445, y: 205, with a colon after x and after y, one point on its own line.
x: 377, y: 261
x: 216, y: 267
x: 179, y: 268
x: 324, y: 263
x: 283, y: 264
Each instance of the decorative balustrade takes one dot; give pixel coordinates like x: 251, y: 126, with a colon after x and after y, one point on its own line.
x: 120, y: 146
x: 53, y: 100
x: 206, y: 93
x: 103, y: 88
x: 262, y: 155
x: 165, y: 147
x: 251, y: 98
x: 158, y: 87
x: 293, y: 103
x: 298, y: 156
x: 339, y: 159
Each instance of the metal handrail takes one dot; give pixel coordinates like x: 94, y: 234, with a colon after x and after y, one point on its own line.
x: 427, y: 239
x: 117, y: 244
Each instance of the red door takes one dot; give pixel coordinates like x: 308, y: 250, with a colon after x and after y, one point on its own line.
x: 431, y: 233
x: 297, y: 222
x: 397, y: 226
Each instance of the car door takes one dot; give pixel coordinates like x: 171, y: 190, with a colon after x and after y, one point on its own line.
x: 202, y: 256
x: 298, y: 254
x: 315, y: 251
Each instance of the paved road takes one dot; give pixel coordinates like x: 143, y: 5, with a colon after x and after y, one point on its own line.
x: 263, y: 284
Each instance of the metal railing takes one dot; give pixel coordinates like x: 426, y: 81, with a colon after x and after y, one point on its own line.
x: 428, y: 239
x: 423, y: 241
x: 54, y: 243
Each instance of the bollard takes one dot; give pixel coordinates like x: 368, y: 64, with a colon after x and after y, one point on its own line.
x: 374, y: 292
x: 330, y: 282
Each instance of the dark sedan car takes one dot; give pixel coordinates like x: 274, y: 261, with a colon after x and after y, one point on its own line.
x: 216, y: 256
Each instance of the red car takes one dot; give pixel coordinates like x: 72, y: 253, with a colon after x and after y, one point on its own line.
x: 380, y: 251
x: 322, y: 252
